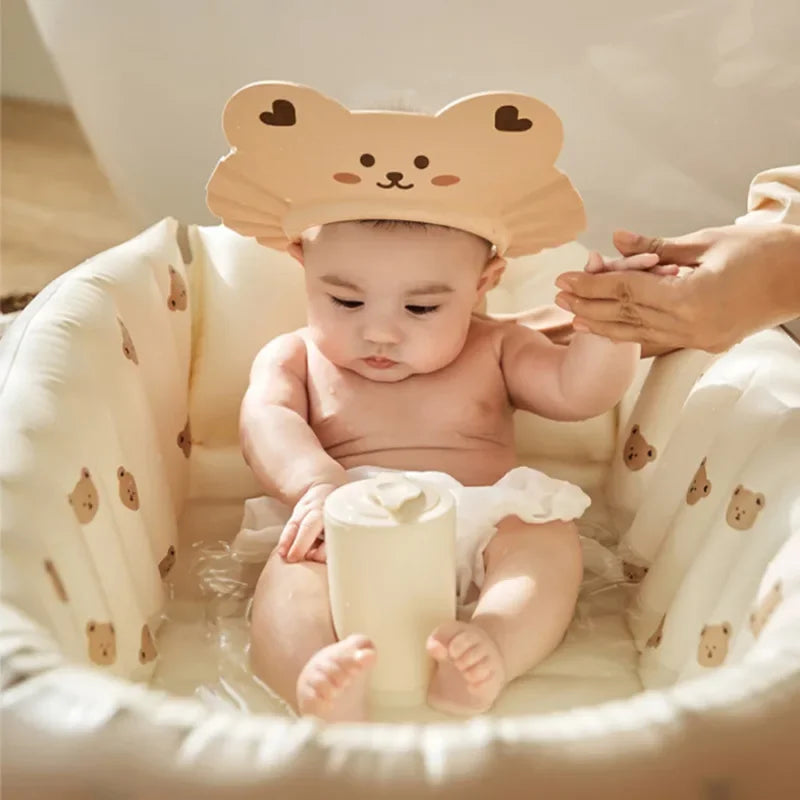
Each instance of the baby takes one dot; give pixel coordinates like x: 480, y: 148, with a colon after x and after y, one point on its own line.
x: 395, y: 370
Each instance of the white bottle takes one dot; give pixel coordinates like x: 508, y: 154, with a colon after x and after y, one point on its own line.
x: 390, y: 544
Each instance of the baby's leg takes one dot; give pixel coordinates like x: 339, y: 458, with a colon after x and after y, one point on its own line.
x: 293, y: 645
x: 533, y: 573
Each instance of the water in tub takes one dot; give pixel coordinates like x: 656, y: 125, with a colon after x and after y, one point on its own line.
x: 203, y: 641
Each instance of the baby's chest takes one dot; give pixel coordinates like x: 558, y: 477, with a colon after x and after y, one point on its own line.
x: 425, y: 403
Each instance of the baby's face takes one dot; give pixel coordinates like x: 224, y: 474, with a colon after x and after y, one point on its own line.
x: 388, y: 303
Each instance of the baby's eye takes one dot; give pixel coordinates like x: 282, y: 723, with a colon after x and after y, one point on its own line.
x: 346, y: 303
x: 420, y: 310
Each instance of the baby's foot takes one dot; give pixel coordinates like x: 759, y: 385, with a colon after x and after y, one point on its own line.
x: 333, y: 684
x: 470, y: 672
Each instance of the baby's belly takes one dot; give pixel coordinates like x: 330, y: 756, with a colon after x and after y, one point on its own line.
x: 481, y: 466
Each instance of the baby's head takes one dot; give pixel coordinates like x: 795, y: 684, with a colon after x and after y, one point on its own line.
x: 390, y: 299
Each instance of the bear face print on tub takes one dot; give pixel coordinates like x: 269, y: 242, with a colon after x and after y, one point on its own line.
x: 484, y: 164
x: 700, y: 486
x: 637, y: 453
x: 744, y: 508
x: 712, y: 649
x: 84, y: 498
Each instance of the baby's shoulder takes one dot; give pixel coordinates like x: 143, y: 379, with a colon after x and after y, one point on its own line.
x: 287, y: 351
x: 493, y: 332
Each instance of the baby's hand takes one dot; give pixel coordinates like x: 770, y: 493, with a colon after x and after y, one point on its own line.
x: 302, y: 536
x: 646, y: 262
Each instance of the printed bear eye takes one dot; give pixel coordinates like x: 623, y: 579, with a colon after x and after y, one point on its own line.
x: 367, y: 160
x: 420, y: 162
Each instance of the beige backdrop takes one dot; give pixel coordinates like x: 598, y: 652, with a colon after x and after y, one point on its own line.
x: 669, y: 108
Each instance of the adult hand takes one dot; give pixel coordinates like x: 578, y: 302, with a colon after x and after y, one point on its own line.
x: 742, y: 279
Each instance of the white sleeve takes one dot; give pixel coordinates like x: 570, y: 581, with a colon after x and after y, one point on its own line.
x: 774, y: 197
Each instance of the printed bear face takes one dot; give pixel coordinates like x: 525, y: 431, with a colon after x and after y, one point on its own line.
x: 185, y: 439
x: 713, y: 648
x: 128, y: 492
x: 700, y: 486
x: 178, y: 297
x: 166, y: 563
x: 637, y: 453
x: 127, y: 343
x: 743, y: 508
x: 102, y: 642
x: 84, y: 498
x: 147, y: 650
x: 58, y: 584
x: 634, y: 573
x: 657, y: 635
x: 301, y: 159
x: 759, y: 617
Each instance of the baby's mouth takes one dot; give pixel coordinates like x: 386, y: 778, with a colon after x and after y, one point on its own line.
x: 379, y: 362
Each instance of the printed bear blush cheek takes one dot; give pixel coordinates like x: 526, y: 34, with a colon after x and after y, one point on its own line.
x: 445, y: 180
x: 346, y: 177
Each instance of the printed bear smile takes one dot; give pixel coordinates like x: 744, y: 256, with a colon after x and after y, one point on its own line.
x: 394, y: 179
x: 394, y: 185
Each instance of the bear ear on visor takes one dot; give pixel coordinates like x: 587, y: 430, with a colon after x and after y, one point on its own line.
x: 300, y: 159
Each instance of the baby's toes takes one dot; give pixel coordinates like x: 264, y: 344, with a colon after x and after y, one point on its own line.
x: 333, y: 684
x: 463, y: 643
x: 480, y: 672
x: 474, y: 655
x: 337, y: 673
x: 317, y: 686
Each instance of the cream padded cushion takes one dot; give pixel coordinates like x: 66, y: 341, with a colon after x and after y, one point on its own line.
x: 93, y: 478
x: 78, y: 391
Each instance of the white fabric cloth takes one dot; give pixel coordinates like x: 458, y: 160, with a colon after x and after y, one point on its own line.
x: 524, y: 492
x: 774, y: 196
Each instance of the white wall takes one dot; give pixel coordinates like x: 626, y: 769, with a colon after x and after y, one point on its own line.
x: 669, y: 106
x: 27, y: 70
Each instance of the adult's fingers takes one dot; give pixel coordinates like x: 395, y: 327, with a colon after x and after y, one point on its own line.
x: 616, y: 311
x: 622, y: 332
x: 643, y: 289
x: 683, y: 250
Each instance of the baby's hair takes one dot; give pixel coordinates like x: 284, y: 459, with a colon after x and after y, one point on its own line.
x: 391, y: 224
x: 402, y: 223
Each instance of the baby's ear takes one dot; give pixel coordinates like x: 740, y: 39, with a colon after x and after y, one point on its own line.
x: 491, y: 274
x: 295, y: 250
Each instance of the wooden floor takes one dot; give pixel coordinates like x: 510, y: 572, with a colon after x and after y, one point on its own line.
x: 57, y: 206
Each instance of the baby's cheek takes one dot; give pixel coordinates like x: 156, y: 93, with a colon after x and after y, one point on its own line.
x: 330, y: 335
x: 440, y: 344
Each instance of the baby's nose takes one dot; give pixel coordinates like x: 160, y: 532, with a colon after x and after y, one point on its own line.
x: 382, y: 334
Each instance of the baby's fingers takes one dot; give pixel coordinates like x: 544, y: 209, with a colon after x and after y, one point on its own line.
x: 641, y: 261
x: 666, y: 269
x: 288, y: 535
x: 310, y: 528
x: 318, y: 554
x: 596, y: 262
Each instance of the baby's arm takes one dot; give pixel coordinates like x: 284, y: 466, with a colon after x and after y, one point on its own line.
x: 279, y: 445
x: 572, y: 382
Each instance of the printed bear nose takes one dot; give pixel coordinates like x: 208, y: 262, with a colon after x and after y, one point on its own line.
x: 394, y: 177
